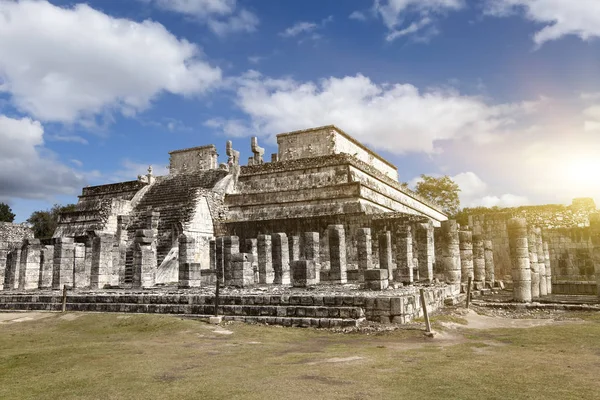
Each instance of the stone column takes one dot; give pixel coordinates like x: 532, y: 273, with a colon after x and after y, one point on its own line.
x: 46, y: 265
x: 519, y: 255
x: 64, y: 256
x: 144, y: 259
x: 385, y: 252
x: 186, y: 249
x: 451, y: 263
x: 81, y: 276
x: 466, y: 255
x: 376, y: 279
x: 89, y: 254
x: 425, y: 253
x: 364, y: 251
x: 219, y: 259
x: 29, y: 269
x: 266, y: 274
x: 533, y: 262
x: 242, y: 272
x: 478, y: 257
x: 252, y: 250
x: 404, y: 255
x: 337, y: 253
x: 120, y: 250
x: 212, y: 254
x: 294, y: 244
x: 13, y: 265
x: 310, y: 251
x: 281, y: 259
x: 490, y: 276
x: 190, y: 275
x: 231, y: 246
x: 102, y: 261
x: 3, y: 262
x: 304, y: 273
x: 541, y: 262
x: 548, y: 268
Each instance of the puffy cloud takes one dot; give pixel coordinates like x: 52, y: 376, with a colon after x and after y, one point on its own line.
x: 394, y: 14
x: 27, y: 169
x: 358, y: 15
x: 560, y: 17
x: 298, y: 28
x: 71, y: 64
x: 475, y: 192
x: 396, y: 117
x: 221, y: 16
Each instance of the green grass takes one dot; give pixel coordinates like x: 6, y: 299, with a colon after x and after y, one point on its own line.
x: 107, y: 356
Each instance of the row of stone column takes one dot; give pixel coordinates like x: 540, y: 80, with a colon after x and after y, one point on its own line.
x: 530, y: 258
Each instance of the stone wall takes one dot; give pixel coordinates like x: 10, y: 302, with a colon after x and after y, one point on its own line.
x: 193, y: 159
x: 11, y: 237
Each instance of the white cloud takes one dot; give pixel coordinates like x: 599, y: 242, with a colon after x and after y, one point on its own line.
x: 70, y: 64
x: 130, y: 170
x: 506, y: 200
x: 298, y: 28
x: 560, y: 17
x: 396, y: 117
x: 475, y: 192
x: 404, y: 17
x: 358, y: 15
x: 221, y: 16
x: 27, y: 169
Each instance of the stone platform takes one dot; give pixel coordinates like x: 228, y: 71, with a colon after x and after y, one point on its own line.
x: 281, y: 306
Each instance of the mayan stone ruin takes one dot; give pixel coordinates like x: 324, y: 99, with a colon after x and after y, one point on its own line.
x: 322, y: 234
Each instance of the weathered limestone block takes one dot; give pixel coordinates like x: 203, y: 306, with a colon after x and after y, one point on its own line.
x: 212, y: 254
x: 29, y: 270
x: 364, y: 251
x: 187, y: 247
x: 451, y: 263
x: 376, y: 279
x: 281, y: 259
x: 304, y: 273
x: 266, y: 274
x: 144, y: 259
x: 478, y: 256
x: 81, y: 276
x: 337, y: 253
x: 190, y: 275
x: 120, y: 250
x: 220, y: 259
x: 542, y: 288
x: 490, y: 275
x: 64, y: 256
x: 548, y: 268
x: 466, y: 255
x: 11, y: 274
x: 252, y: 250
x: 533, y: 262
x: 294, y: 244
x: 310, y: 250
x: 231, y: 246
x: 242, y: 271
x: 519, y: 254
x: 426, y: 251
x: 404, y: 256
x: 385, y: 252
x: 101, y: 273
x: 3, y: 262
x: 46, y: 265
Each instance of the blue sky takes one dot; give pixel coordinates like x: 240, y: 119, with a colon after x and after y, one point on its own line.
x: 502, y: 95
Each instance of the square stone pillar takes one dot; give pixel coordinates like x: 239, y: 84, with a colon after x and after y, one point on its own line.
x: 46, y: 265
x: 337, y: 254
x: 81, y: 276
x: 220, y: 259
x: 252, y: 251
x: 548, y: 268
x: 242, y: 271
x: 426, y: 251
x: 294, y: 244
x: 519, y: 255
x: 212, y: 254
x: 266, y: 274
x: 304, y: 273
x: 478, y: 256
x: 281, y: 259
x: 186, y: 249
x: 190, y: 275
x: 385, y: 252
x: 64, y: 258
x: 101, y: 273
x: 364, y: 252
x: 533, y: 262
x: 144, y: 259
x: 13, y: 265
x: 376, y: 279
x: 120, y: 251
x: 29, y: 271
x: 231, y: 246
x: 3, y: 262
x: 404, y: 255
x: 490, y: 275
x: 466, y: 255
x: 539, y: 244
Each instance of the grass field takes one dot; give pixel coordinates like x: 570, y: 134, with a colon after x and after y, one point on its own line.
x: 115, y: 356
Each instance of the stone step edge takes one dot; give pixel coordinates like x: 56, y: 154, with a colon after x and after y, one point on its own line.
x: 540, y: 306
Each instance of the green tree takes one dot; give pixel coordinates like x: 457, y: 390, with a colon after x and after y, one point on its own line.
x: 44, y: 223
x: 442, y: 191
x: 6, y: 214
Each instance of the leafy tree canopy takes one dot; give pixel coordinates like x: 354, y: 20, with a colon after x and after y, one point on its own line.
x: 442, y: 190
x: 6, y: 214
x: 44, y: 223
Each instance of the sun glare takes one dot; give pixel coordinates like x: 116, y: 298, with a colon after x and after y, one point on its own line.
x: 584, y: 173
